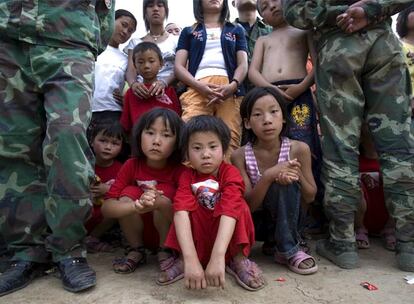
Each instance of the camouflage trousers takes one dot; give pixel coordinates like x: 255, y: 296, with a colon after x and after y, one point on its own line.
x: 363, y: 77
x: 45, y: 159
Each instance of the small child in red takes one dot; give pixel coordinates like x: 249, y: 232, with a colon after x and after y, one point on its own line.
x: 148, y: 61
x: 213, y: 228
x: 106, y: 141
x: 146, y: 184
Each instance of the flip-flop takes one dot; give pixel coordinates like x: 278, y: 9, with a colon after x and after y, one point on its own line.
x: 249, y: 269
x: 294, y: 262
x: 361, y: 237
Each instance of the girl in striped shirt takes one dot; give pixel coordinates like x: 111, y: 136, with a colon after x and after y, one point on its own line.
x: 278, y: 176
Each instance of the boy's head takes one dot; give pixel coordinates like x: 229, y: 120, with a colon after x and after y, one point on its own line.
x: 107, y: 141
x: 148, y: 61
x: 271, y: 11
x: 204, y: 141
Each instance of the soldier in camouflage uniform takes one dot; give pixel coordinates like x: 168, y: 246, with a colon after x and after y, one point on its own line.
x: 360, y: 76
x: 47, y: 54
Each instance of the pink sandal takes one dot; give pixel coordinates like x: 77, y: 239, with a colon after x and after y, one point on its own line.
x: 244, y: 272
x: 294, y: 262
x: 173, y: 267
x: 361, y: 237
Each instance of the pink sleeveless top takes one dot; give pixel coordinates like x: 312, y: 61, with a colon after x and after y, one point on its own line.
x: 251, y: 164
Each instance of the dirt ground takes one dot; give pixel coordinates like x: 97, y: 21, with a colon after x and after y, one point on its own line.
x: 329, y: 285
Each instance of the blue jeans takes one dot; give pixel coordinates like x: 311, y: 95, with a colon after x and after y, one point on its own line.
x: 282, y: 204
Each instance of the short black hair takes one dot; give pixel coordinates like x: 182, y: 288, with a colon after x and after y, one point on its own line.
x: 248, y: 102
x: 401, y: 27
x: 199, y: 14
x: 205, y: 123
x: 121, y: 12
x: 146, y: 46
x: 170, y: 118
x: 110, y: 129
x: 147, y: 3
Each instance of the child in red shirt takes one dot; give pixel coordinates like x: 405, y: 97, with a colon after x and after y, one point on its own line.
x: 147, y: 183
x: 106, y: 142
x: 148, y: 61
x: 213, y: 228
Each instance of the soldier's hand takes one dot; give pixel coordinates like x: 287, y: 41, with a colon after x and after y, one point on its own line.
x: 353, y: 20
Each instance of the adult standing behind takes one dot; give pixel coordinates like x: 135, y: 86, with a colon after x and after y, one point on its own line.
x: 47, y: 54
x: 361, y: 76
x: 110, y: 69
x: 155, y: 13
x: 173, y: 28
x: 254, y: 28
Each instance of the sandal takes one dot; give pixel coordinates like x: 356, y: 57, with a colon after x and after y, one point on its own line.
x: 134, y: 256
x: 294, y: 262
x: 173, y: 267
x: 246, y: 271
x: 165, y: 262
x: 361, y: 237
x: 388, y: 235
x: 95, y: 245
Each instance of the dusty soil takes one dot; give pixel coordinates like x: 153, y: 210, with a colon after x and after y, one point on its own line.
x: 330, y: 285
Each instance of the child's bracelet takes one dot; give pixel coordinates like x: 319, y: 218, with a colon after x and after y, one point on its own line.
x: 236, y: 81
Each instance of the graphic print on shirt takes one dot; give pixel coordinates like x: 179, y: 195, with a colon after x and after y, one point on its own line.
x: 207, y: 193
x: 147, y: 185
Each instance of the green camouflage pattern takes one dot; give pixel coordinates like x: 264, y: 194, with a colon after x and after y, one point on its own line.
x: 46, y: 84
x: 59, y: 23
x: 361, y: 77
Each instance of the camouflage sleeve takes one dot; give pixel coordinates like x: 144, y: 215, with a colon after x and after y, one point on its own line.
x: 311, y: 14
x: 380, y: 9
x: 105, y: 11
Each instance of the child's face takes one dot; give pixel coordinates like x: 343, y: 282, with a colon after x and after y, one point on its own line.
x: 158, y: 143
x: 205, y: 152
x: 244, y: 5
x: 266, y: 120
x: 271, y: 11
x: 124, y: 28
x: 148, y: 65
x: 155, y: 12
x: 106, y: 148
x: 212, y: 6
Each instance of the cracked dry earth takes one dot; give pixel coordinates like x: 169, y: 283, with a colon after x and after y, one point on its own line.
x: 329, y: 285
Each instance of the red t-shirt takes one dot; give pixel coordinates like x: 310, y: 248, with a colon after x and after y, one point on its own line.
x: 230, y: 189
x: 134, y: 107
x: 135, y: 175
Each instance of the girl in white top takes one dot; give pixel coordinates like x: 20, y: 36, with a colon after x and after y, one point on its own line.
x: 155, y: 14
x: 110, y: 69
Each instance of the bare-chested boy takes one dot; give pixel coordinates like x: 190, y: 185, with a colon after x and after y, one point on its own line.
x: 279, y: 60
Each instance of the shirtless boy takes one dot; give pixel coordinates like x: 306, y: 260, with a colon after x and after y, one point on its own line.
x: 279, y: 60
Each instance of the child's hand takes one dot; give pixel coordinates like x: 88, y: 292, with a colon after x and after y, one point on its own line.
x: 146, y: 202
x: 227, y: 90
x: 99, y: 189
x: 292, y: 90
x: 282, y: 92
x: 215, y: 272
x: 194, y: 275
x: 140, y: 90
x: 285, y: 173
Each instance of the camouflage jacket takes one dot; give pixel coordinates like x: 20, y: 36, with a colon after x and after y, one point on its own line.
x: 59, y: 23
x: 319, y: 14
